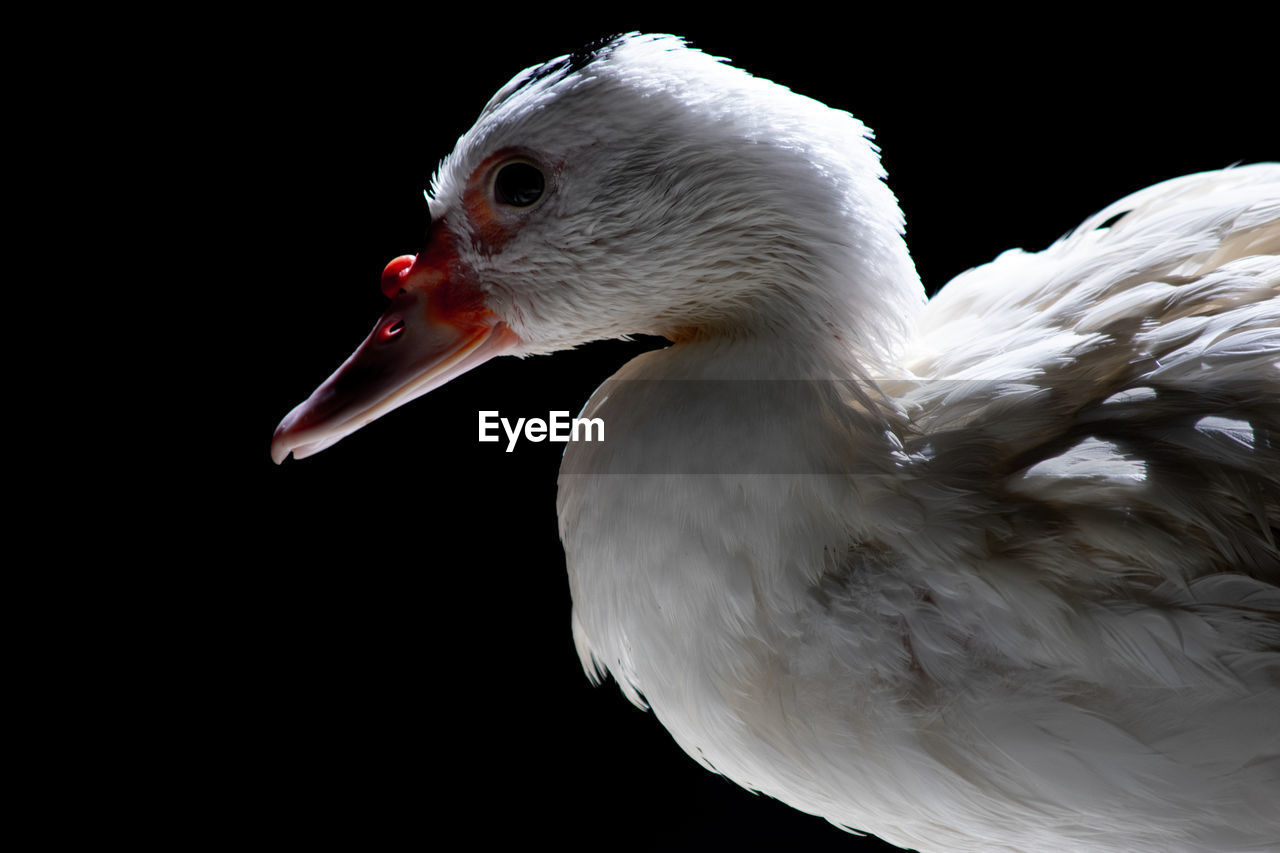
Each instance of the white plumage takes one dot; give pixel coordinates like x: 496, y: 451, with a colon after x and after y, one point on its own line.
x: 995, y: 571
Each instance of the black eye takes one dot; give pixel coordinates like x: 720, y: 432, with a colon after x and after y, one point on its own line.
x: 518, y: 184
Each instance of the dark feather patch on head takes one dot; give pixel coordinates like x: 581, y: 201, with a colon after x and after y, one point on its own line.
x: 582, y: 57
x: 565, y: 65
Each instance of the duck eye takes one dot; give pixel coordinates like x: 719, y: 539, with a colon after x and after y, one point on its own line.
x: 518, y: 184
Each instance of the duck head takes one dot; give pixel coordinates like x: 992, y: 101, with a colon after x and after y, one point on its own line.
x: 638, y: 186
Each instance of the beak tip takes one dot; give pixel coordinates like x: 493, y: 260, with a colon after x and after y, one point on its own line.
x: 280, y: 446
x: 282, y: 440
x: 293, y: 436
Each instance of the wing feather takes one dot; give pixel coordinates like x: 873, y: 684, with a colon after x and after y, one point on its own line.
x: 1120, y: 391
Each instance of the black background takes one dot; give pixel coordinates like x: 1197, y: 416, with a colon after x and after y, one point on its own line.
x: 372, y: 647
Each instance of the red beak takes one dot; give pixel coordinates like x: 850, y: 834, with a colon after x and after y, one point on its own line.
x: 436, y: 328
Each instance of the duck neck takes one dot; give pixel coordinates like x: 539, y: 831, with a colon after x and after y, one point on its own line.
x: 847, y: 309
x: 838, y: 334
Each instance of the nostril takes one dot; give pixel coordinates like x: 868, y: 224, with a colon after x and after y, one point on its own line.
x: 394, y: 274
x: 391, y: 329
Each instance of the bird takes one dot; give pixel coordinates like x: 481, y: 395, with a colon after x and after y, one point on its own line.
x: 995, y: 570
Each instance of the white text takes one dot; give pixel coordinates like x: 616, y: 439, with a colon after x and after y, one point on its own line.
x: 558, y: 427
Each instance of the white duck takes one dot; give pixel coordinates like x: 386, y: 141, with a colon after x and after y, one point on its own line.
x: 998, y: 571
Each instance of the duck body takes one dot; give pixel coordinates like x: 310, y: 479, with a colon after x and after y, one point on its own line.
x: 1014, y: 654
x: 996, y: 571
